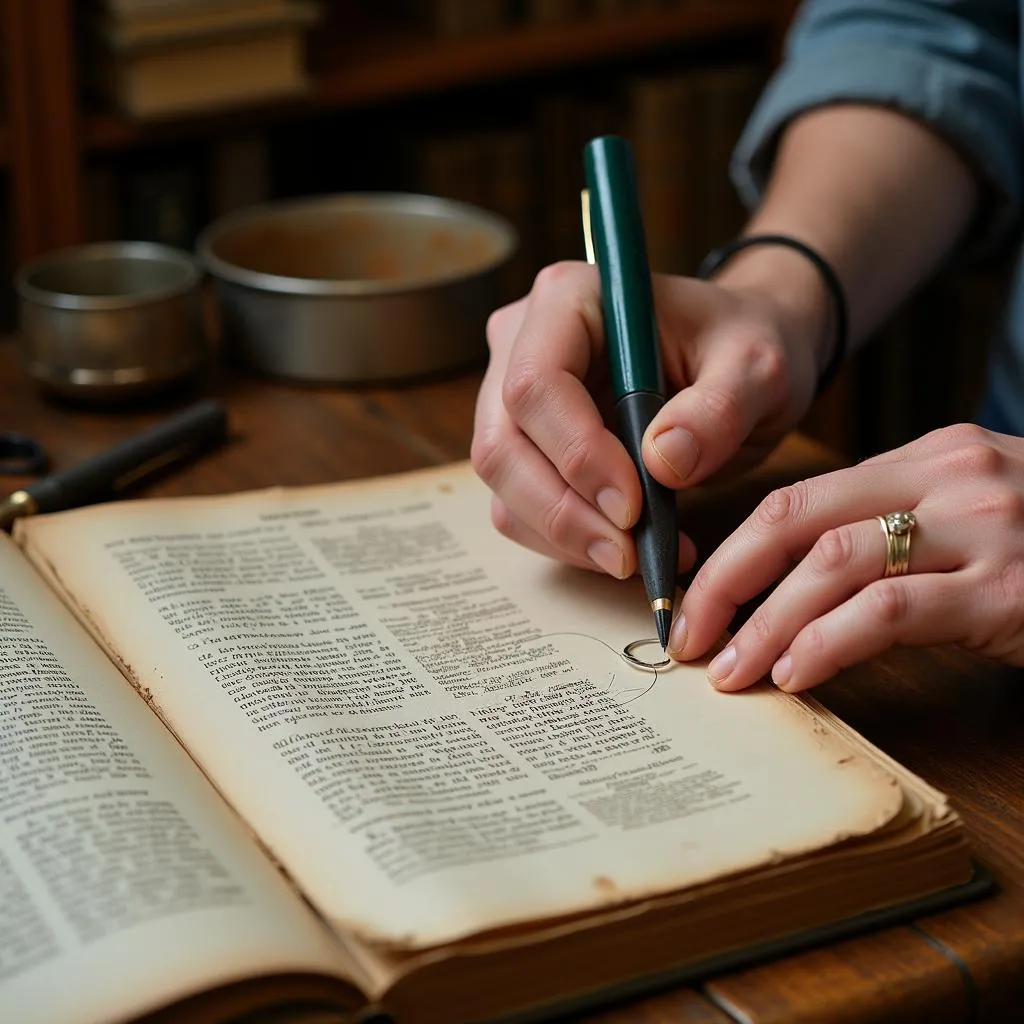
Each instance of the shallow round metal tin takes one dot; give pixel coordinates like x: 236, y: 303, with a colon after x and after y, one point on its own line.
x: 357, y: 287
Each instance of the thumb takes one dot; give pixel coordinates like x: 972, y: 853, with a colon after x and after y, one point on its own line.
x: 740, y: 386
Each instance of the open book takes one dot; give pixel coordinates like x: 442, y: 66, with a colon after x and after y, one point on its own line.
x: 370, y: 754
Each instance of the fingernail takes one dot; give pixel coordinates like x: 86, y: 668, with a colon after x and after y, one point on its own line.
x: 608, y: 556
x: 678, y: 449
x: 677, y: 637
x: 722, y: 665
x: 612, y: 502
x: 782, y: 671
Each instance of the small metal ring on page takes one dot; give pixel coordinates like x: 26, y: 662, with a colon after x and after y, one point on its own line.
x: 647, y: 666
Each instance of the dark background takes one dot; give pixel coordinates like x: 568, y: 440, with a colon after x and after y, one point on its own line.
x: 487, y: 101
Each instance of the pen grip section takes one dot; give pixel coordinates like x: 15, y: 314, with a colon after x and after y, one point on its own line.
x: 104, y: 476
x: 620, y: 251
x: 657, y: 531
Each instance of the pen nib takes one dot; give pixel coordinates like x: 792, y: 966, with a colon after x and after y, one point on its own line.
x: 663, y: 620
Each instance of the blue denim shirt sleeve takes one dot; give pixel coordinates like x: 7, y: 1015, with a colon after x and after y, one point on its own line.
x: 952, y: 64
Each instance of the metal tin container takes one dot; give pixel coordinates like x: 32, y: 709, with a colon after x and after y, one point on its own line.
x: 357, y: 287
x: 110, y: 320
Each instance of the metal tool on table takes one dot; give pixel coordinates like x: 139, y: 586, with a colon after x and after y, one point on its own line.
x: 105, y: 476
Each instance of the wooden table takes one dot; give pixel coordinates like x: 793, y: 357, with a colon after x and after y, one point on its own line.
x: 956, y: 720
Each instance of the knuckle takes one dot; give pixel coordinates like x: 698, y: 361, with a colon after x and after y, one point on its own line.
x: 761, y: 625
x: 766, y: 359
x: 833, y: 551
x: 486, y: 455
x: 498, y: 323
x: 555, y: 276
x: 886, y: 602
x: 1000, y: 503
x: 1010, y: 583
x: 782, y: 504
x: 974, y: 457
x: 557, y: 520
x: 703, y: 580
x: 723, y: 409
x: 502, y: 520
x: 957, y: 435
x: 523, y: 388
x: 575, y: 458
x: 811, y: 641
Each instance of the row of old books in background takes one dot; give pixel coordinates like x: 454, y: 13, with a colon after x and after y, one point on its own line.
x: 462, y: 18
x: 164, y: 58
x: 683, y: 126
x: 159, y: 58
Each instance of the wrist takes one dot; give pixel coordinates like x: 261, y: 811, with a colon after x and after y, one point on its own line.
x: 793, y: 288
x: 801, y: 292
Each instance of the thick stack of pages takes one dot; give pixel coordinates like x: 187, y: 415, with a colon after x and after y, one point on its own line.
x: 422, y: 775
x: 158, y: 58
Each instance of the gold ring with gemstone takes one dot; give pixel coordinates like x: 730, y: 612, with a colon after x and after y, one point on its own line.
x: 897, y: 527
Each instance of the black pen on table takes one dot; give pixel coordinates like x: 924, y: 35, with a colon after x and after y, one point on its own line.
x: 614, y: 233
x: 104, y: 476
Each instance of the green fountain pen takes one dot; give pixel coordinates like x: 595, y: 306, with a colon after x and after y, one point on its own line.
x: 614, y: 233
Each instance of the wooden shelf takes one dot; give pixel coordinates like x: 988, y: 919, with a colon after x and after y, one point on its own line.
x: 396, y: 67
x: 384, y: 67
x: 107, y: 131
x: 50, y: 135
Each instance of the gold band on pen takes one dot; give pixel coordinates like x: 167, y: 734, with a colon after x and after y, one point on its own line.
x: 588, y: 237
x: 16, y: 505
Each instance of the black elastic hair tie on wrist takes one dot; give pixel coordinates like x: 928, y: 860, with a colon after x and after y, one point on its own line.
x: 717, y: 258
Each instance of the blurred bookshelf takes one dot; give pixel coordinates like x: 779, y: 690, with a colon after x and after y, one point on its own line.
x: 374, y: 62
x: 104, y: 133
x: 488, y: 101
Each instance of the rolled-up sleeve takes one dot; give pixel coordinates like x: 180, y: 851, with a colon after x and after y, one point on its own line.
x: 951, y: 64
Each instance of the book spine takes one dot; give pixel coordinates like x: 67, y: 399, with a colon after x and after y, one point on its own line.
x: 165, y: 204
x: 724, y: 98
x: 665, y: 143
x: 239, y: 173
x: 509, y: 159
x: 553, y: 12
x: 101, y: 201
x: 453, y: 166
x: 608, y: 8
x: 560, y: 177
x: 460, y: 19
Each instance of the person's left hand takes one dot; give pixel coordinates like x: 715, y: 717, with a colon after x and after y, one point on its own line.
x: 965, y: 582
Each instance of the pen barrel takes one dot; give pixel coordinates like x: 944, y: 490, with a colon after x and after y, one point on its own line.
x: 104, y: 476
x: 657, y: 531
x: 620, y: 250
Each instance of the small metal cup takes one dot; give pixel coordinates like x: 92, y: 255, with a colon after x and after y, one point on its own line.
x: 110, y: 320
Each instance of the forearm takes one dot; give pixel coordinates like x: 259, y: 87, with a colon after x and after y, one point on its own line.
x: 881, y: 197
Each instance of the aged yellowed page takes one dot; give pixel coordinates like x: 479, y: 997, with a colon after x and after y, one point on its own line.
x: 125, y: 881
x: 432, y: 728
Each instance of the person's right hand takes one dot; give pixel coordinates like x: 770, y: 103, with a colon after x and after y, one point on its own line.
x: 740, y: 367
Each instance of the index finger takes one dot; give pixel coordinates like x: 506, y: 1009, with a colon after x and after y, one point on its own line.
x: 784, y: 527
x: 545, y: 394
